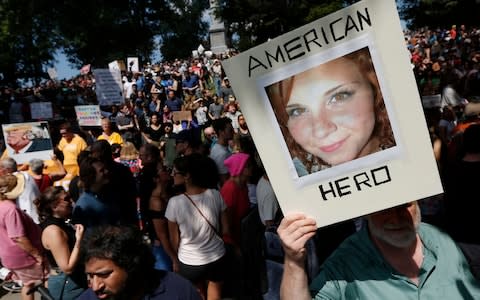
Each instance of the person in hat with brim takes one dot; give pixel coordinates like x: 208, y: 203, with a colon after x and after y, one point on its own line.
x: 20, y: 237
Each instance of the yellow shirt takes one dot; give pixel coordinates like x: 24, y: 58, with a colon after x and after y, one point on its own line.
x: 114, y: 138
x: 70, y: 153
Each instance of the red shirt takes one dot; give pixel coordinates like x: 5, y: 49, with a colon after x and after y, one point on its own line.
x: 238, y: 203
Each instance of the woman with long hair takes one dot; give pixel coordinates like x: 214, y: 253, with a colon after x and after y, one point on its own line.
x: 62, y: 242
x: 332, y: 113
x: 197, y: 220
x: 165, y: 257
x: 154, y: 131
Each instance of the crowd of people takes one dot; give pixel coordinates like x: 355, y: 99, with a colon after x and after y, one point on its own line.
x: 171, y: 182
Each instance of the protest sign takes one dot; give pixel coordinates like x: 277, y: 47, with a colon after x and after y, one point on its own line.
x: 181, y: 116
x: 335, y: 114
x: 88, y: 115
x: 108, y: 86
x: 52, y: 73
x: 117, y: 65
x: 432, y: 101
x: 85, y: 69
x: 41, y: 110
x: 132, y: 63
x: 25, y: 141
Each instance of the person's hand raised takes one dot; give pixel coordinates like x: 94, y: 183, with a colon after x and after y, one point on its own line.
x: 294, y: 231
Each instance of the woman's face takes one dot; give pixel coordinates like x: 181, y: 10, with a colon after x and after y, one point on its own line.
x: 331, y: 111
x: 178, y: 177
x: 63, y: 206
x: 154, y: 119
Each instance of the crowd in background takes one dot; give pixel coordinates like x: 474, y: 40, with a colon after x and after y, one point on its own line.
x: 145, y: 162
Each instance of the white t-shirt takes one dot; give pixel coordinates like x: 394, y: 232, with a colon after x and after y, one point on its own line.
x: 201, y: 115
x: 127, y: 88
x: 26, y: 198
x: 267, y: 201
x: 199, y: 244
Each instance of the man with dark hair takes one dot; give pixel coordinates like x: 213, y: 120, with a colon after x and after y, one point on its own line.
x: 92, y: 209
x: 187, y: 143
x: 173, y: 102
x: 220, y: 151
x: 121, y: 188
x: 461, y: 199
x: 150, y: 156
x: 126, y: 123
x: 119, y: 265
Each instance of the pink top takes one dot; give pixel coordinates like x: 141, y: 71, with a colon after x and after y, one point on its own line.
x: 237, y: 201
x: 15, y: 223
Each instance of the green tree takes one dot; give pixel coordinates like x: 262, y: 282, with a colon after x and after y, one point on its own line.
x: 439, y: 13
x: 27, y: 40
x: 184, y: 29
x: 252, y: 22
x: 97, y: 32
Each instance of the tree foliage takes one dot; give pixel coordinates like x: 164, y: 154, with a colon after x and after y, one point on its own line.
x: 252, y: 22
x: 439, y: 13
x: 184, y: 29
x: 27, y: 40
x: 97, y: 32
x: 94, y: 32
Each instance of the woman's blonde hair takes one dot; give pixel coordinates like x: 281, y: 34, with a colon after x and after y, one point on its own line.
x: 128, y: 151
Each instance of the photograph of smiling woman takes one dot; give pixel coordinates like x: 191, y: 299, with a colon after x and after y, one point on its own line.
x: 332, y: 113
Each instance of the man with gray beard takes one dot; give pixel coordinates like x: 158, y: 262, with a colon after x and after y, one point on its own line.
x: 394, y: 257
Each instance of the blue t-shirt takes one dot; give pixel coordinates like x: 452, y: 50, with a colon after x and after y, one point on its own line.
x: 171, y: 287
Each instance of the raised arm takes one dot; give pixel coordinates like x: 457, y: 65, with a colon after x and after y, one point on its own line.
x: 294, y: 231
x: 54, y: 239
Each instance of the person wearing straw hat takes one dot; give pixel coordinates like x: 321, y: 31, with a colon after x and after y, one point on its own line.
x: 20, y: 237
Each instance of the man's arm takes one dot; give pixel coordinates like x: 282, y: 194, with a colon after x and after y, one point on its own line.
x: 294, y: 231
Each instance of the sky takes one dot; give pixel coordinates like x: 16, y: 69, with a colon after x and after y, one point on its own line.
x: 64, y: 70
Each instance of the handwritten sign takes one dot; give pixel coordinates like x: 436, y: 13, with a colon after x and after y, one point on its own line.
x: 88, y: 115
x: 41, y: 110
x: 335, y: 114
x: 108, y: 86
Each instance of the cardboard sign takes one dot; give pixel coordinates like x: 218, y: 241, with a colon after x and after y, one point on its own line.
x: 108, y: 86
x: 41, y: 110
x: 335, y: 114
x: 432, y: 101
x: 25, y: 141
x: 88, y: 115
x: 181, y: 116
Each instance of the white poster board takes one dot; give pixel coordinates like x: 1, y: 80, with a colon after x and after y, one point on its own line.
x: 41, y: 110
x: 88, y: 115
x: 108, y: 86
x: 25, y: 141
x: 335, y: 114
x: 132, y: 64
x: 52, y: 73
x: 432, y: 101
x: 117, y: 65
